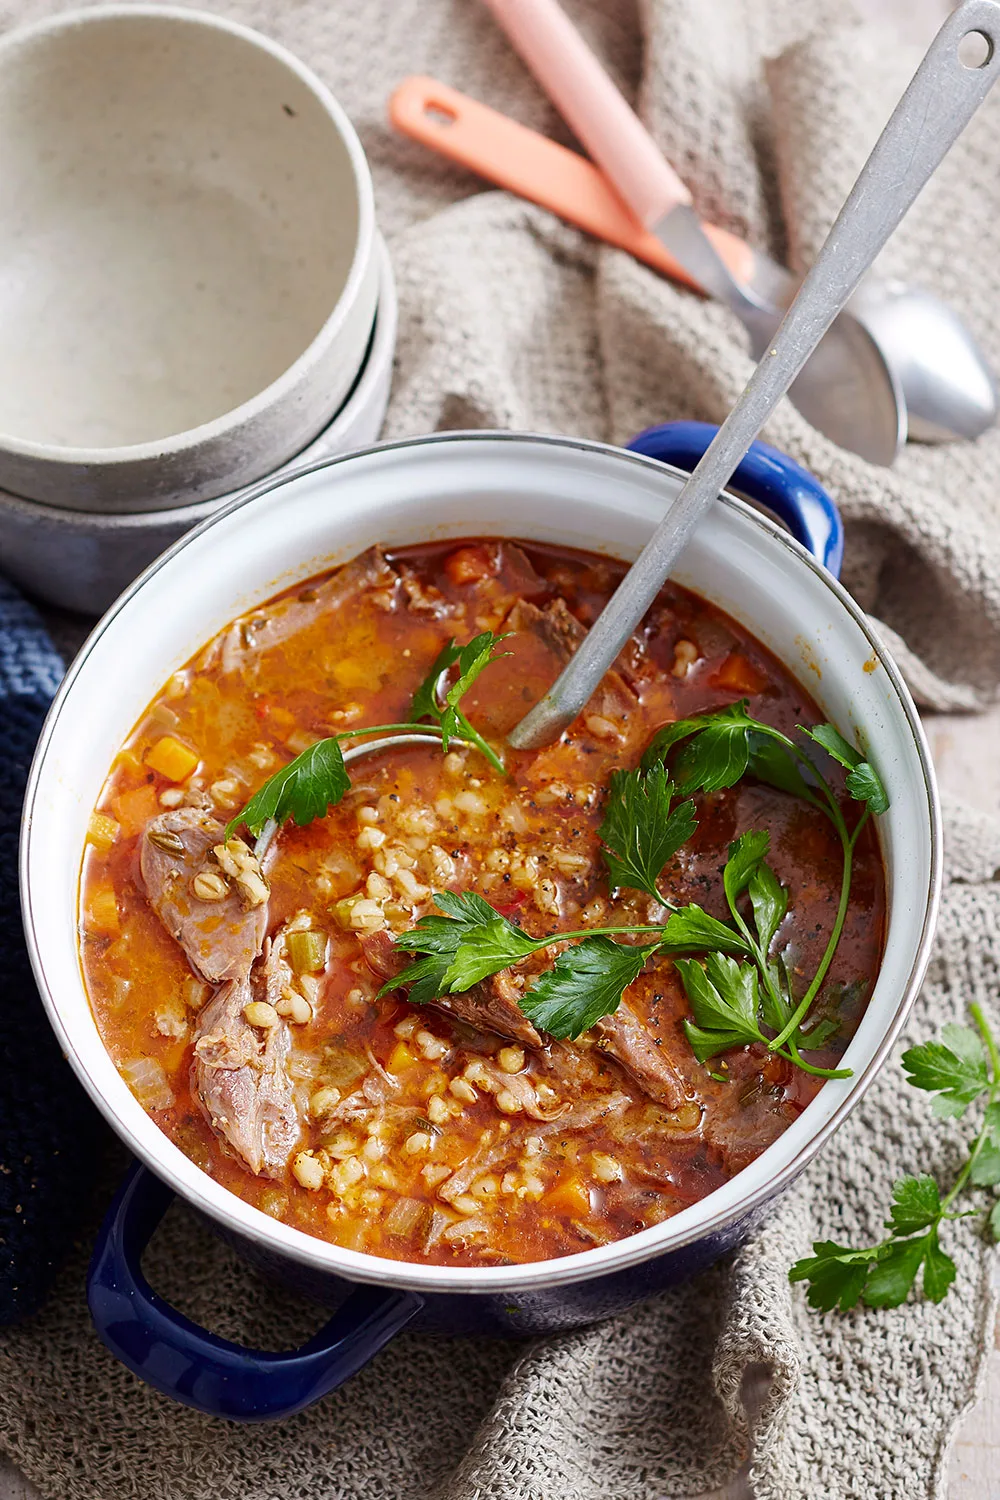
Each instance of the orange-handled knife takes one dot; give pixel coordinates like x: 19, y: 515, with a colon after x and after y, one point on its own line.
x: 532, y: 166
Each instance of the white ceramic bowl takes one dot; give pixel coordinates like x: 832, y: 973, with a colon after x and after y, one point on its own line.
x: 456, y: 485
x: 188, y: 267
x: 82, y: 560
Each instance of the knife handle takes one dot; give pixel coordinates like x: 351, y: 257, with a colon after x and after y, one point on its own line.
x: 590, y: 102
x: 530, y: 165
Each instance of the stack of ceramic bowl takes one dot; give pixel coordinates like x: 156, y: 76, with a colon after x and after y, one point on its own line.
x: 193, y: 292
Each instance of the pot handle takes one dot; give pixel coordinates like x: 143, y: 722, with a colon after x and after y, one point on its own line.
x: 770, y: 478
x: 195, y: 1367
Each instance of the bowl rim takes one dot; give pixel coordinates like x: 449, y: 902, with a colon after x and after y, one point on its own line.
x: 285, y: 384
x: 379, y: 355
x: 235, y: 1216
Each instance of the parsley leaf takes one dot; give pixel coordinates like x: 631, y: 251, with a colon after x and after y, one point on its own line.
x: 954, y: 1067
x: 491, y: 947
x: 865, y: 785
x: 833, y: 742
x: 423, y: 979
x: 894, y: 1273
x: 471, y: 660
x: 425, y: 703
x: 863, y: 781
x: 745, y: 855
x: 640, y: 832
x: 317, y: 779
x: 468, y: 944
x: 773, y: 763
x: 303, y: 790
x: 691, y: 930
x: 432, y: 934
x: 718, y: 753
x: 769, y: 899
x: 916, y: 1204
x: 986, y: 1167
x: 836, y: 1275
x: 939, y: 1271
x: 586, y: 982
x: 986, y: 1162
x: 957, y: 1069
x: 723, y: 997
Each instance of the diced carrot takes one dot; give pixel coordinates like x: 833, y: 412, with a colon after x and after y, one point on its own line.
x: 570, y: 1196
x: 102, y: 832
x: 171, y: 759
x: 400, y: 1058
x: 739, y: 675
x: 135, y: 808
x: 280, y: 719
x: 468, y: 565
x: 101, y: 914
x: 351, y: 674
x: 128, y: 760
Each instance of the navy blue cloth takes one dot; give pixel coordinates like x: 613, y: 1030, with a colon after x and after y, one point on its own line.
x: 50, y: 1134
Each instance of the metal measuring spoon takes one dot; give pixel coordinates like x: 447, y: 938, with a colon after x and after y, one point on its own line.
x: 943, y: 96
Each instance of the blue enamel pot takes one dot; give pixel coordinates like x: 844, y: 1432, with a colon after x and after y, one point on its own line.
x: 769, y: 559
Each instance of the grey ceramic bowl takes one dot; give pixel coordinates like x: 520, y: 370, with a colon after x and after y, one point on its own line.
x: 83, y: 562
x: 187, y: 230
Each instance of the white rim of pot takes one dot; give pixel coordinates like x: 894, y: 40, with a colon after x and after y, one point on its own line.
x: 714, y: 1214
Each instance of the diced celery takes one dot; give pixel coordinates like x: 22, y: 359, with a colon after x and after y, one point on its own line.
x: 307, y: 951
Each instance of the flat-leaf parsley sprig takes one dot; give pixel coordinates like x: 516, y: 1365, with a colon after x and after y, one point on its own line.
x: 739, y: 995
x: 715, y: 751
x: 473, y: 941
x: 960, y: 1070
x: 433, y: 701
x: 316, y: 780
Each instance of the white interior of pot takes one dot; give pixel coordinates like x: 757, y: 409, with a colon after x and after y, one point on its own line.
x: 485, y: 485
x: 178, y: 217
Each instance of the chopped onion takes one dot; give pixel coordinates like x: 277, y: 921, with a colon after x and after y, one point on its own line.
x: 148, y: 1082
x: 405, y: 1217
x: 436, y: 1227
x: 342, y: 1068
x: 465, y: 1229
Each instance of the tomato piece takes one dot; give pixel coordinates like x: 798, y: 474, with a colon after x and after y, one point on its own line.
x: 739, y: 675
x: 469, y: 565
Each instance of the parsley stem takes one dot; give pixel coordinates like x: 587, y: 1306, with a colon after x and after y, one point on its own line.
x: 801, y: 1010
x: 433, y: 731
x: 469, y: 736
x: 994, y: 1088
x: 586, y: 932
x: 793, y: 1055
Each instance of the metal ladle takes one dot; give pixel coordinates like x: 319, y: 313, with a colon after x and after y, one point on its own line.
x: 959, y: 69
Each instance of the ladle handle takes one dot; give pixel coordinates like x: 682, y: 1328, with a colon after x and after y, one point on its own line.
x: 940, y: 101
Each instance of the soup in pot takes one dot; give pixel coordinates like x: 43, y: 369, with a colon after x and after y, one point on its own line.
x: 458, y: 1003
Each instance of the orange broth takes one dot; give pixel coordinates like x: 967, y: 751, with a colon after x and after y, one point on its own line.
x: 330, y: 655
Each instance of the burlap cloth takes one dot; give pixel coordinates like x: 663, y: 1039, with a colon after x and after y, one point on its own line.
x: 511, y: 319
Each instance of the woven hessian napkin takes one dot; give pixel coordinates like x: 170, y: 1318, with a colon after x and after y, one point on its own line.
x: 509, y: 319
